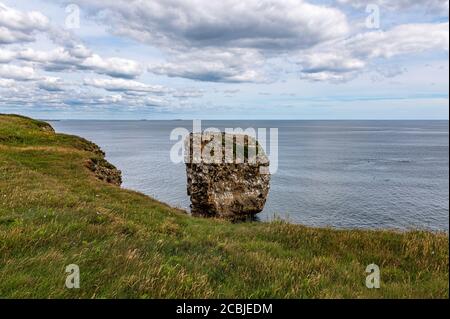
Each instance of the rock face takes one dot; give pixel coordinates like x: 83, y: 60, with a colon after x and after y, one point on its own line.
x: 223, y: 188
x: 101, y: 168
x: 105, y: 171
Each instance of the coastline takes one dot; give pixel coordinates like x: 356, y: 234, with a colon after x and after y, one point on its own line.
x: 57, y: 208
x: 398, y: 185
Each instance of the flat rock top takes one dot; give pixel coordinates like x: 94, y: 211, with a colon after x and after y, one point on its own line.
x: 223, y: 148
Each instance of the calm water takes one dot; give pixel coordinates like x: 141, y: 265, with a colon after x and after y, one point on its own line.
x: 346, y: 174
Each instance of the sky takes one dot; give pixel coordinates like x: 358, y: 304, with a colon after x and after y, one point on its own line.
x: 225, y: 59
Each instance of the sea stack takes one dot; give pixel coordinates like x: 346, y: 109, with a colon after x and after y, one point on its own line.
x: 227, y: 175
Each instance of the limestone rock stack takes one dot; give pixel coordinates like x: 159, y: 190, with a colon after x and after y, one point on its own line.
x: 227, y: 175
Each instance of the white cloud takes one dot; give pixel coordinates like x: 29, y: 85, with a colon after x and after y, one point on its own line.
x: 6, y: 55
x: 6, y: 83
x: 233, y: 41
x: 188, y: 93
x: 343, y: 60
x: 220, y: 41
x: 431, y: 6
x: 9, y: 36
x: 215, y: 66
x: 50, y: 59
x: 138, y: 94
x: 52, y: 84
x: 330, y: 61
x: 402, y: 39
x: 228, y: 41
x: 19, y: 73
x: 121, y: 85
x: 262, y: 24
x: 115, y: 67
x: 326, y: 76
x: 80, y: 58
x: 157, y: 102
x: 17, y: 26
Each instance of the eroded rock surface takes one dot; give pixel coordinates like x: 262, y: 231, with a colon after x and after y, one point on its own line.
x: 101, y: 168
x: 105, y: 171
x: 218, y: 188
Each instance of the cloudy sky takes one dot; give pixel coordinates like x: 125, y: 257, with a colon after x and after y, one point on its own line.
x: 266, y: 59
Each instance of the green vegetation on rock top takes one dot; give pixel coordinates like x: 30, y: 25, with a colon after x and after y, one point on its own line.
x: 54, y: 211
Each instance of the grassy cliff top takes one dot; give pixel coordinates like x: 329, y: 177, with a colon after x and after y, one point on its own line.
x: 54, y: 211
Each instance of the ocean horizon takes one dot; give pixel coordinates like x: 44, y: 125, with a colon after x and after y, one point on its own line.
x: 349, y: 174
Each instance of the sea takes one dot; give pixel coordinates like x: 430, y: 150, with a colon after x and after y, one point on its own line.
x: 340, y: 174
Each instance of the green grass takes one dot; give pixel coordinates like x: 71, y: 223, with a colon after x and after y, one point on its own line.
x: 55, y: 212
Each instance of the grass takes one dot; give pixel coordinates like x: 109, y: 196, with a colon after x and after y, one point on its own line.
x: 55, y: 212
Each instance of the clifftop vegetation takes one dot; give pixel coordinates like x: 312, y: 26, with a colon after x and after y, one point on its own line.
x: 56, y: 211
